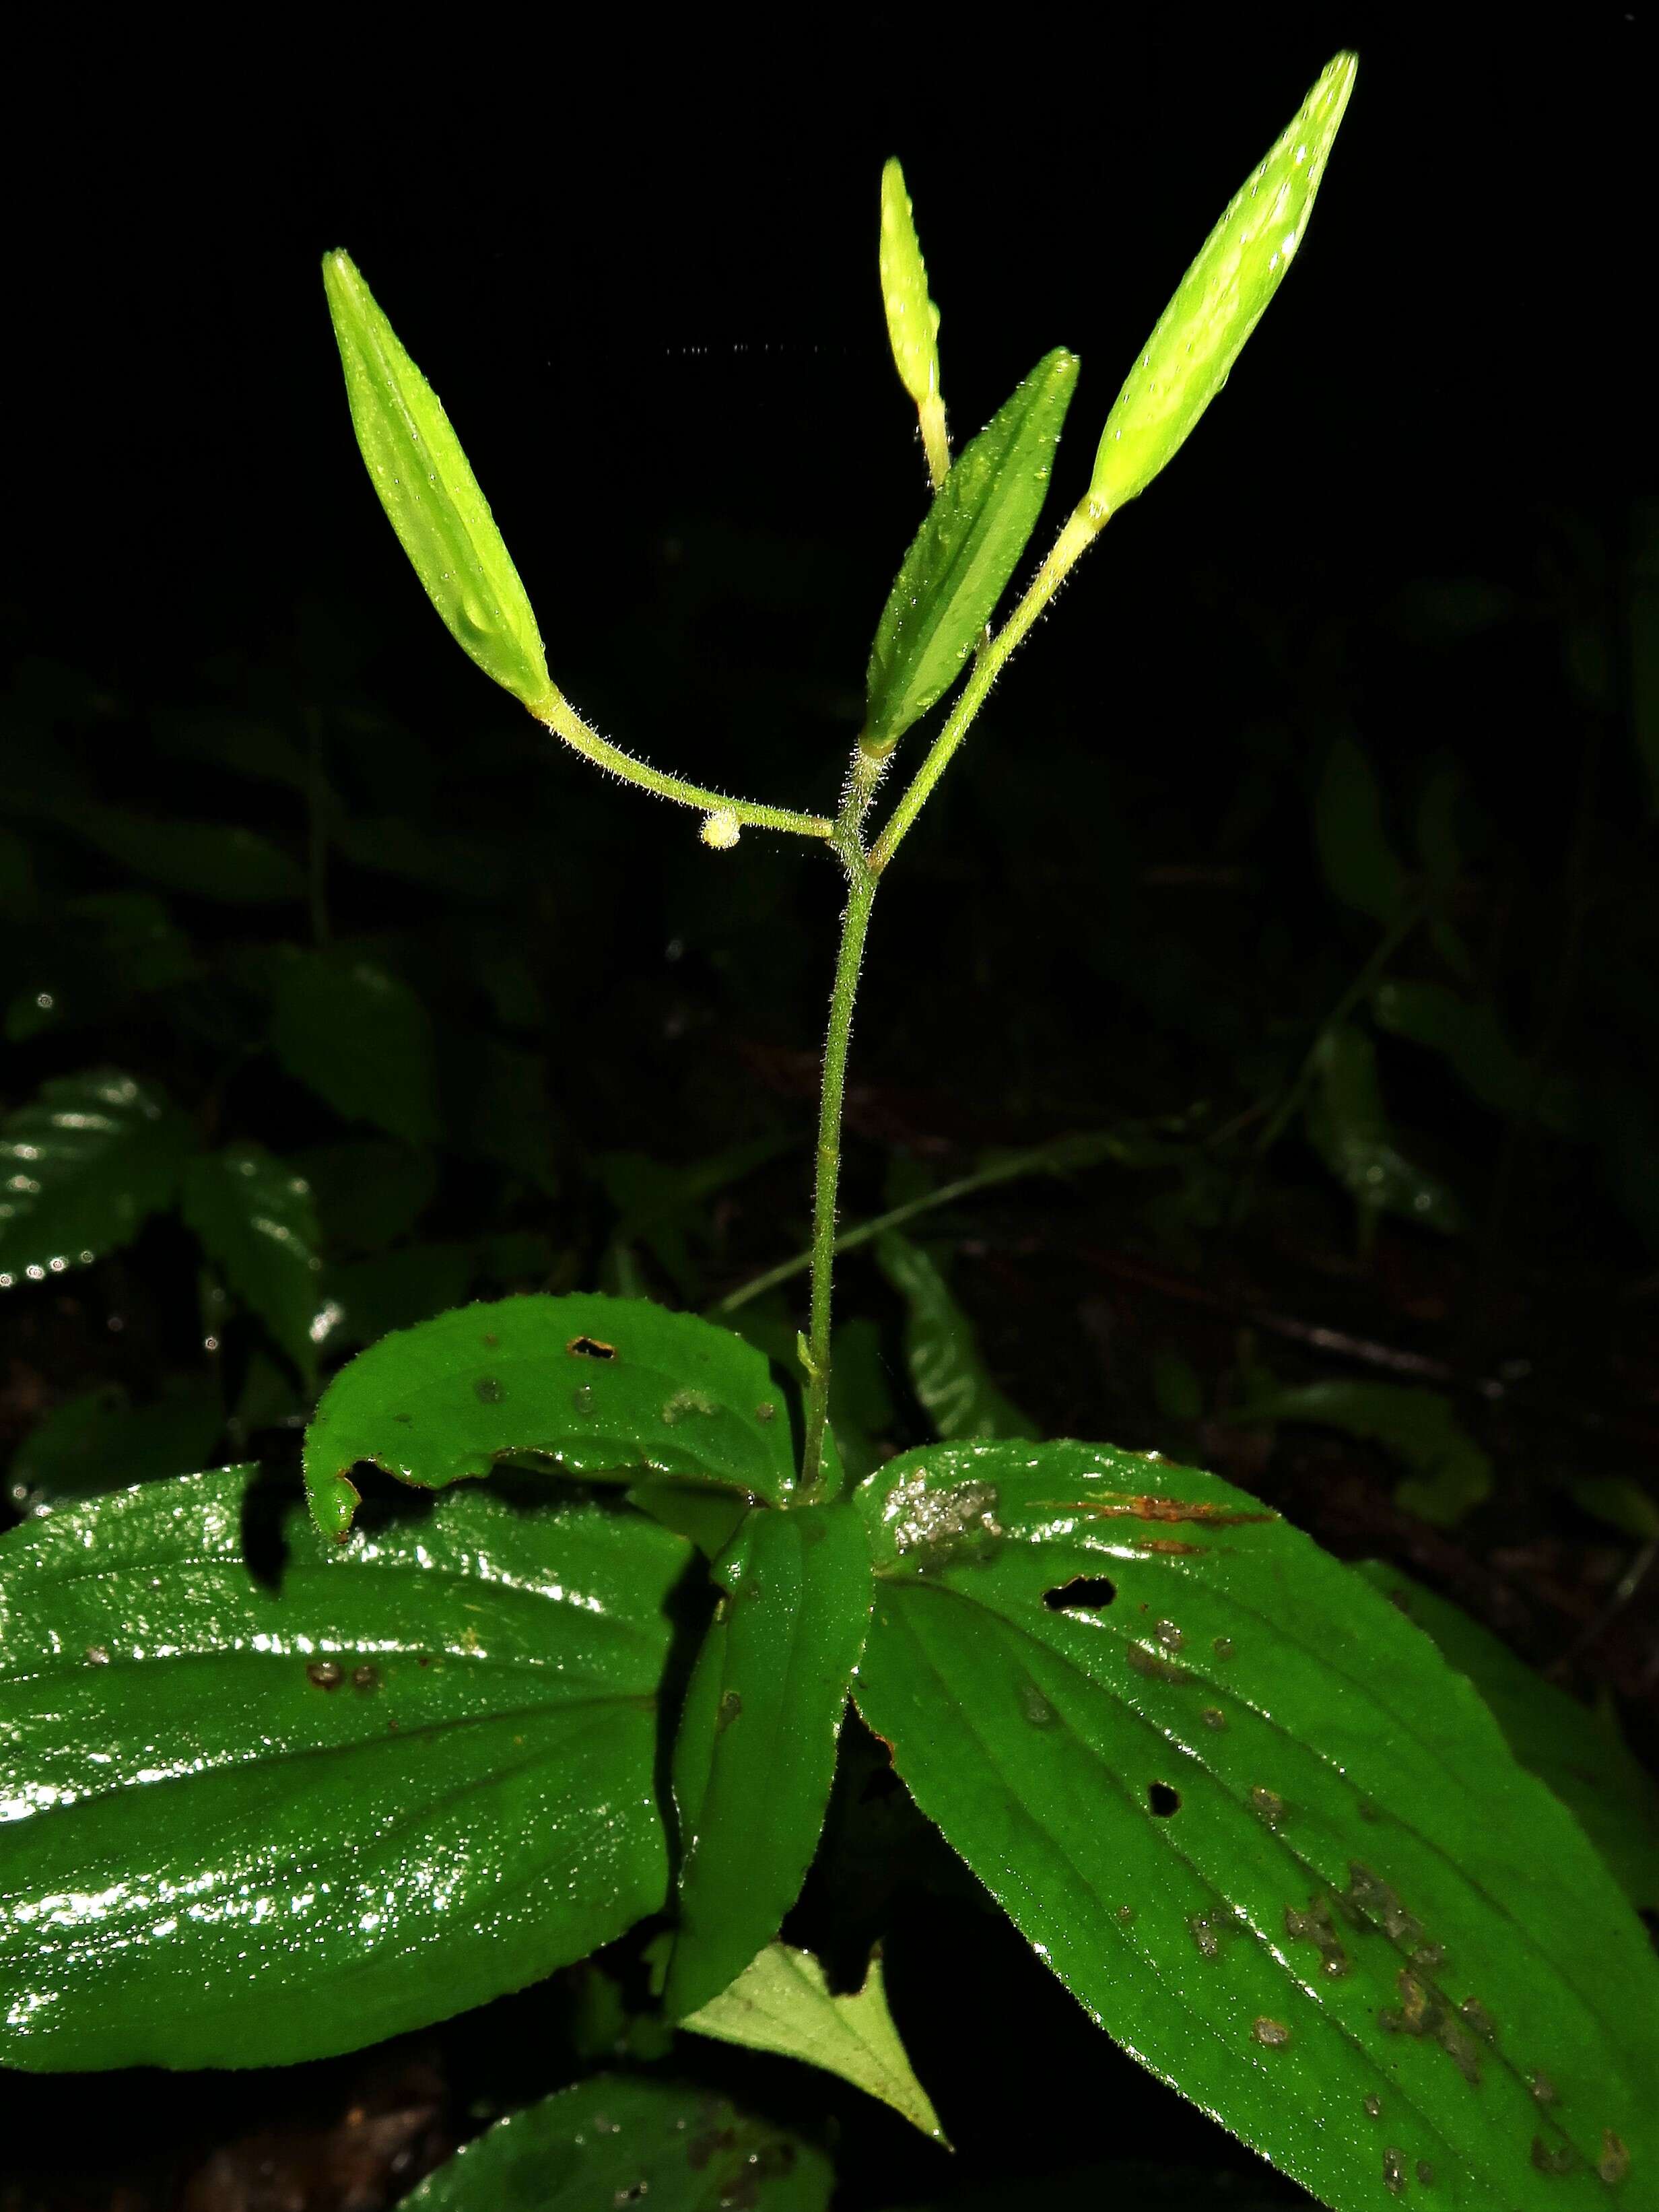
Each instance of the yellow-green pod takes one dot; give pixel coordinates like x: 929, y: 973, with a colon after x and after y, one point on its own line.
x: 430, y: 493
x: 1221, y: 300
x: 912, y: 318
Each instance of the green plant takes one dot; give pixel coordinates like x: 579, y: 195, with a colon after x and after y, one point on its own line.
x: 280, y: 1781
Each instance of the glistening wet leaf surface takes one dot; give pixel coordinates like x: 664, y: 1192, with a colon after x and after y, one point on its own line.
x: 607, y: 1389
x: 755, y: 1751
x: 617, y: 2141
x: 1364, y: 1938
x: 246, y: 1820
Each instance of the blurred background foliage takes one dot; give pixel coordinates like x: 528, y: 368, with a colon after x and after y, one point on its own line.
x: 1256, y: 1061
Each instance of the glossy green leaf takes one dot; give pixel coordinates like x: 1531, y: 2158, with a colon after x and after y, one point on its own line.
x: 961, y: 558
x: 1260, y: 1828
x: 1450, y: 1473
x: 782, y: 2002
x: 257, y: 1223
x: 367, y: 1194
x: 623, y: 2139
x: 98, y: 1442
x: 942, y: 1353
x: 204, y: 859
x: 1579, y: 1753
x: 357, y: 1036
x: 1219, y: 302
x: 1360, y: 866
x: 261, y: 1813
x: 1348, y: 1126
x: 82, y: 1167
x: 912, y: 318
x: 604, y: 1388
x: 755, y: 1751
x: 429, y: 493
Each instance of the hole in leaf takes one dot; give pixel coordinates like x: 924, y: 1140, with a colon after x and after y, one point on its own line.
x: 1082, y: 1594
x: 1163, y: 1799
x: 590, y: 1347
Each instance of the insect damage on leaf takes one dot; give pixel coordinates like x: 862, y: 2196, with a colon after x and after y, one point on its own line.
x: 590, y: 1347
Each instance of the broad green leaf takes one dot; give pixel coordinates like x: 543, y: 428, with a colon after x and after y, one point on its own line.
x: 1260, y: 1828
x: 947, y: 1372
x: 755, y: 1751
x: 622, y: 2139
x: 98, y: 1442
x: 782, y: 2002
x: 1348, y: 1126
x: 1578, y: 1754
x: 430, y: 495
x: 1219, y: 302
x: 367, y: 1194
x: 1470, y: 1036
x: 256, y: 1221
x: 204, y: 859
x: 912, y: 318
x: 259, y: 1812
x: 602, y: 1389
x: 1450, y: 1473
x: 358, y: 1037
x: 82, y: 1167
x: 1359, y: 865
x: 961, y: 559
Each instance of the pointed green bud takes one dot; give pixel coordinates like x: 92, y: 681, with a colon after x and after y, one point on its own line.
x: 1221, y: 299
x: 430, y: 495
x: 912, y: 318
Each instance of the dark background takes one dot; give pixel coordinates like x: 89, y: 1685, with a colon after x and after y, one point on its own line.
x: 643, y: 280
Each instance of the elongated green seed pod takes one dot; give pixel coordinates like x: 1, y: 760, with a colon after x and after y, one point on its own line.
x: 1219, y: 302
x: 430, y: 493
x: 912, y: 318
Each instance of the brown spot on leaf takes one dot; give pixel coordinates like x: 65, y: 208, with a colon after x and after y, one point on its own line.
x: 1153, y: 1665
x: 1122, y: 1505
x: 1394, y: 2171
x: 1374, y: 2107
x: 366, y: 1678
x: 488, y: 1391
x: 1614, y: 2162
x: 1560, y: 2159
x: 325, y: 1673
x: 1269, y: 1804
x: 590, y: 1347
x: 1271, y: 2033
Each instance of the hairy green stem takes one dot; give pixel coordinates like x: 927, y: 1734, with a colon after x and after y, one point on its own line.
x: 847, y: 841
x: 555, y: 712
